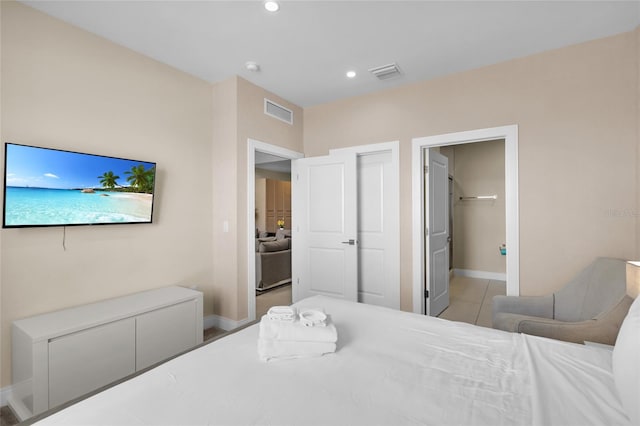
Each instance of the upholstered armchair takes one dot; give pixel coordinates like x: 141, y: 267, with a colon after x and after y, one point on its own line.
x: 591, y: 307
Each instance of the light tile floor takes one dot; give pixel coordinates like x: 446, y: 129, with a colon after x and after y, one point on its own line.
x: 264, y: 300
x: 279, y: 296
x: 470, y: 300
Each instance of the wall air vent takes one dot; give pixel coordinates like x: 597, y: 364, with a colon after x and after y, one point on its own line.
x: 386, y: 72
x: 278, y: 111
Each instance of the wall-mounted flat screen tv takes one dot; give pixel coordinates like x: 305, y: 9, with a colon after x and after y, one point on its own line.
x: 52, y: 187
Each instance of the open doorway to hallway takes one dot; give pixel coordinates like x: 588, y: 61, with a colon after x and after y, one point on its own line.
x: 269, y: 219
x: 273, y: 218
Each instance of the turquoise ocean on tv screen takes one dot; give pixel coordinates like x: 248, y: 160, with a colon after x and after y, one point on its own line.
x: 41, y: 206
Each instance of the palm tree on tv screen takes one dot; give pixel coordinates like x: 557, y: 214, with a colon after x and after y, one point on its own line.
x: 109, y: 180
x: 141, y: 179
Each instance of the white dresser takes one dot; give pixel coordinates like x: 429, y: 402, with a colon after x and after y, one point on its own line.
x: 62, y: 355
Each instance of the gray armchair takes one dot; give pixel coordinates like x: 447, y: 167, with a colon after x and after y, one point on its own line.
x: 591, y: 307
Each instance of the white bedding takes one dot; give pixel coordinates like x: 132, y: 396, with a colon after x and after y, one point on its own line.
x: 390, y: 368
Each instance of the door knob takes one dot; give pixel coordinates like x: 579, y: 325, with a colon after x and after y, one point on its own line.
x: 350, y: 242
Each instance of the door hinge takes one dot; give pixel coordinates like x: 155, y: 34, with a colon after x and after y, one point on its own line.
x: 426, y: 169
x: 426, y: 294
x: 426, y: 231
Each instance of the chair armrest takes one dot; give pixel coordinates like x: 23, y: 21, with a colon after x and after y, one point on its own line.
x: 528, y: 306
x: 577, y: 332
x: 602, y: 329
x: 545, y: 327
x: 509, y: 322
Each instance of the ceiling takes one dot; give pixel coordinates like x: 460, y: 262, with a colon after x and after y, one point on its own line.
x: 272, y: 162
x: 305, y: 49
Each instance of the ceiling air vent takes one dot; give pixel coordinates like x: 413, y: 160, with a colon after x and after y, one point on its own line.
x: 386, y: 72
x: 278, y: 111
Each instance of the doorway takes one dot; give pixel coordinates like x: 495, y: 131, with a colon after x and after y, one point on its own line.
x: 477, y: 205
x: 509, y: 134
x: 276, y: 162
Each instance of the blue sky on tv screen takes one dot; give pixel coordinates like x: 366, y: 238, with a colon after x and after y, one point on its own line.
x: 48, y: 168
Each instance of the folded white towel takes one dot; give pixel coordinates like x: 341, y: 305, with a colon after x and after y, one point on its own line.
x: 313, y: 317
x: 282, y: 313
x: 269, y: 349
x: 296, y: 332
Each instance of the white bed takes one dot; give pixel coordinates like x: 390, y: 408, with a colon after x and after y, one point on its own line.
x: 390, y: 368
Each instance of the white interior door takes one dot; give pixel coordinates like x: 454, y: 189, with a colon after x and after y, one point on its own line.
x: 378, y: 248
x: 437, y: 262
x: 325, y: 255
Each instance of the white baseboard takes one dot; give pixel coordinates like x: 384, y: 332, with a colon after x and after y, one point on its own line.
x: 222, y: 322
x: 5, y: 393
x: 484, y: 275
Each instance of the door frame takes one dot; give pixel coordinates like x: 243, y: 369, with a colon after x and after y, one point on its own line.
x: 510, y: 135
x: 253, y: 146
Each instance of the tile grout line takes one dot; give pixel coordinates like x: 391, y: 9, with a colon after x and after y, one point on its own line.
x: 486, y: 289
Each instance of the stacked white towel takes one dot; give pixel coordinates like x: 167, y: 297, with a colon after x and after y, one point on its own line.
x: 314, y: 336
x: 282, y: 313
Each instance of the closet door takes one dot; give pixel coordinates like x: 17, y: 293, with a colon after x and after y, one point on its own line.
x: 378, y: 242
x: 325, y: 255
x: 437, y: 252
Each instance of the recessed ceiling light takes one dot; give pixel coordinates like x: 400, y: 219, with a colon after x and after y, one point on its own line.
x: 252, y: 66
x: 351, y: 74
x: 271, y: 6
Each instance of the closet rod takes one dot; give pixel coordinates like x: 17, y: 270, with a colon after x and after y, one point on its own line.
x: 480, y: 197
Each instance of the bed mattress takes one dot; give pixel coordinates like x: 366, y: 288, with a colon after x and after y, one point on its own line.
x: 390, y: 368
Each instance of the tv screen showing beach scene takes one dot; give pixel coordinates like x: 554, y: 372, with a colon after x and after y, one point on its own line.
x: 51, y: 187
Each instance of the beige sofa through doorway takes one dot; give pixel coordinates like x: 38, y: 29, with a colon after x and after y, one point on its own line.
x: 273, y: 260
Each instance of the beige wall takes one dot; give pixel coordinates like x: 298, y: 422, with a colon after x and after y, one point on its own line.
x: 3, y: 376
x: 479, y: 226
x: 576, y: 111
x: 270, y: 174
x: 225, y: 197
x: 254, y: 124
x: 637, y: 210
x: 73, y: 90
x: 229, y: 193
x: 64, y: 88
